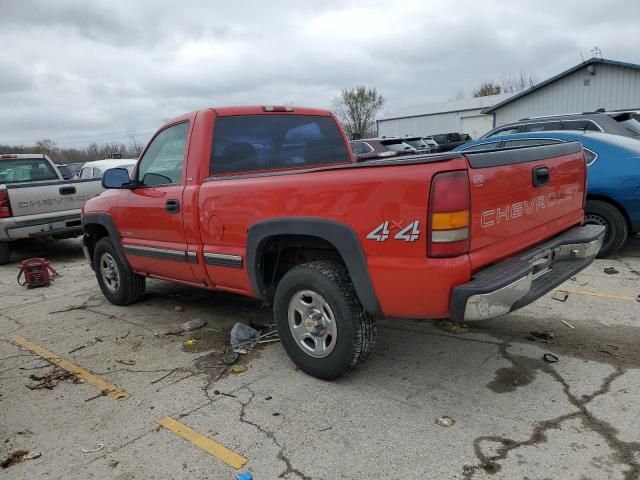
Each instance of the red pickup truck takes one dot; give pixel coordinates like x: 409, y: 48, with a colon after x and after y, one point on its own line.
x: 270, y: 202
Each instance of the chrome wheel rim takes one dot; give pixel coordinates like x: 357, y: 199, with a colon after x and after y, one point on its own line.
x: 312, y: 323
x: 109, y: 272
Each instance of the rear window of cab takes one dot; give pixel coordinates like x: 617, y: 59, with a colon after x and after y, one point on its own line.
x: 253, y: 143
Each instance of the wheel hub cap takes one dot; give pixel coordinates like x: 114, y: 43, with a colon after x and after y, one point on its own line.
x: 312, y: 323
x: 109, y: 273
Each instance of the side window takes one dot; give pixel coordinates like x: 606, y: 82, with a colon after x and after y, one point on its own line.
x: 589, y: 156
x: 163, y: 160
x: 482, y: 146
x: 580, y: 125
x: 505, y: 131
x: 540, y: 127
x: 529, y: 142
x: 356, y: 147
x: 86, y: 172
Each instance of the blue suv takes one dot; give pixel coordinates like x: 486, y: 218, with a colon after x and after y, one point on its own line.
x: 613, y: 190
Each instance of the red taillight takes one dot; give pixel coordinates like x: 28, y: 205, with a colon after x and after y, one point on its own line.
x: 449, y: 214
x: 5, y: 208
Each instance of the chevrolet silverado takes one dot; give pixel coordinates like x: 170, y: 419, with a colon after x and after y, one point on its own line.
x: 269, y: 202
x: 35, y: 201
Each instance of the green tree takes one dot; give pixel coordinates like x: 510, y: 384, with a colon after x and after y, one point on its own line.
x: 357, y: 108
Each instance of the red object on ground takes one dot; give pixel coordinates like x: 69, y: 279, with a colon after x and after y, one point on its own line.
x: 38, y: 272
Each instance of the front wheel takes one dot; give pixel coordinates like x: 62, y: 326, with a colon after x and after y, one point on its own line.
x: 118, y: 284
x: 322, y: 324
x: 602, y: 213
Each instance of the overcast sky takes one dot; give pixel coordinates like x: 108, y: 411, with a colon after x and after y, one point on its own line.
x: 82, y: 71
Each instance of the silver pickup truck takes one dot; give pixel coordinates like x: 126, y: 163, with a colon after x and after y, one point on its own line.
x: 36, y: 202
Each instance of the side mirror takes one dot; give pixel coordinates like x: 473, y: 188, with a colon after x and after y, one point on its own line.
x: 115, y: 178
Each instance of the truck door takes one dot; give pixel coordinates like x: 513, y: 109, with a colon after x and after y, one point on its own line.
x: 150, y: 215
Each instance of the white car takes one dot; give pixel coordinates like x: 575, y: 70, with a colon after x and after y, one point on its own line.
x: 97, y: 168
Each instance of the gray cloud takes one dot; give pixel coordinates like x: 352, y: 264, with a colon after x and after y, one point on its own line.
x: 83, y: 71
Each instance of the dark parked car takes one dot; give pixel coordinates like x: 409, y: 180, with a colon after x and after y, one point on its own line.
x: 448, y: 141
x: 76, y: 168
x: 625, y: 123
x: 433, y: 145
x: 372, y: 148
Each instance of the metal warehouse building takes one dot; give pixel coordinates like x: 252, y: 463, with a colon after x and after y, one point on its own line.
x: 464, y: 116
x: 593, y: 84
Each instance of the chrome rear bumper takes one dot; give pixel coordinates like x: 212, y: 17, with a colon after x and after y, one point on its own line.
x: 516, y: 282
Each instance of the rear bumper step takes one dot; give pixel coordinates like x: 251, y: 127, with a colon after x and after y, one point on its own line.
x: 518, y: 281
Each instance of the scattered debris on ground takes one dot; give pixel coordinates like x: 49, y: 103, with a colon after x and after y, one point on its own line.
x: 610, y: 270
x: 88, y: 344
x: 561, y: 296
x: 238, y: 369
x: 550, y: 358
x: 126, y: 362
x: 452, y: 327
x: 568, y: 324
x: 242, y: 334
x: 192, y: 325
x: 191, y: 342
x: 51, y: 379
x: 178, y: 308
x: 445, y: 421
x: 19, y: 456
x: 244, y: 476
x: 99, y: 447
x: 544, y: 336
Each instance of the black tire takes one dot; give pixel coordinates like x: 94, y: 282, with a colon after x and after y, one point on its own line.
x: 5, y: 253
x: 130, y: 287
x: 602, y: 213
x: 356, y: 330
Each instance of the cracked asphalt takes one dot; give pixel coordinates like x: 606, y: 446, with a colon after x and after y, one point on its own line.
x: 514, y: 415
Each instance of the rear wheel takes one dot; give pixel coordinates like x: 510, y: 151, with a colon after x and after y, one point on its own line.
x: 118, y: 284
x: 322, y: 324
x: 602, y: 213
x: 5, y: 253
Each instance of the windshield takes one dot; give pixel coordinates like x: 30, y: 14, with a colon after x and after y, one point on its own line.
x: 26, y: 170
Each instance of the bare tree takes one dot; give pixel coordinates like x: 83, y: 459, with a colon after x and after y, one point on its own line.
x: 357, y: 108
x: 487, y: 88
x: 135, y: 147
x: 47, y: 147
x: 517, y: 82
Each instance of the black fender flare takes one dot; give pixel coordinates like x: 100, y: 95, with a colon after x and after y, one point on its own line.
x: 341, y: 236
x: 106, y: 221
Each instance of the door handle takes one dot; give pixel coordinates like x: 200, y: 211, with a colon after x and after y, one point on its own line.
x: 67, y: 190
x: 540, y: 176
x: 172, y: 206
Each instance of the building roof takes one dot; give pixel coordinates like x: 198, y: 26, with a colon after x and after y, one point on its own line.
x: 461, y: 105
x: 591, y: 61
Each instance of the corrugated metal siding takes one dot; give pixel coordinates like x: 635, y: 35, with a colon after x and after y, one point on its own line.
x: 424, y: 125
x: 612, y: 87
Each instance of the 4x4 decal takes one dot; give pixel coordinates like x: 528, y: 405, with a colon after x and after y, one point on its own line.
x: 408, y: 233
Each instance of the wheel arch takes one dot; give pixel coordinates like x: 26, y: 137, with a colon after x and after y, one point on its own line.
x: 342, y: 237
x: 97, y: 226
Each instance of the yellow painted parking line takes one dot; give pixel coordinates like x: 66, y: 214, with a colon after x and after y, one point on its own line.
x: 223, y: 453
x: 85, y: 375
x: 596, y: 294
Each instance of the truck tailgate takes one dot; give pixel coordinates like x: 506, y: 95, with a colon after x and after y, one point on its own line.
x: 521, y: 197
x: 51, y: 196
